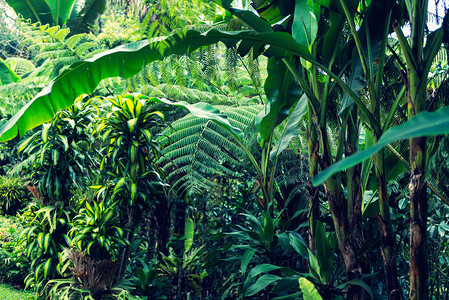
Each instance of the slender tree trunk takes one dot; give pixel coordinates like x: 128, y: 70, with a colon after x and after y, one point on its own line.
x: 347, y: 241
x: 387, y: 245
x: 161, y: 217
x: 314, y: 204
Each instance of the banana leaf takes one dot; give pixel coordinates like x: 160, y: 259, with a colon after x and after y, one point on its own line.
x: 125, y: 61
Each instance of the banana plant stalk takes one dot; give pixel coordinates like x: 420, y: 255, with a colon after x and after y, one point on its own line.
x: 374, y: 82
x: 418, y: 61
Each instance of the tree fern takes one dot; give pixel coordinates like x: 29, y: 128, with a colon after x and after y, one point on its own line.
x: 198, y: 150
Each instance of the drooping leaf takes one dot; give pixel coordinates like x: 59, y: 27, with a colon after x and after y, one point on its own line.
x: 423, y: 124
x: 7, y: 75
x: 125, y: 61
x: 36, y: 10
x: 282, y: 91
x: 291, y: 128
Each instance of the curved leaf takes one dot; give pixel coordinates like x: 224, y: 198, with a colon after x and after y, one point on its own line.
x: 36, y: 10
x: 87, y: 17
x: 291, y: 128
x: 7, y: 75
x: 282, y: 91
x: 309, y: 292
x: 261, y: 283
x: 423, y: 124
x: 125, y: 61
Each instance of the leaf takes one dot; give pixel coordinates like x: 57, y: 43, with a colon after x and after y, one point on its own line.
x: 246, y: 258
x: 324, y: 253
x: 61, y: 10
x: 125, y: 61
x: 291, y: 129
x: 7, y: 75
x: 305, y: 23
x: 263, y: 268
x: 358, y: 282
x: 188, y: 233
x: 282, y: 91
x: 423, y: 124
x: 36, y: 10
x: 309, y: 292
x: 261, y: 283
x: 87, y: 17
x: 299, y: 244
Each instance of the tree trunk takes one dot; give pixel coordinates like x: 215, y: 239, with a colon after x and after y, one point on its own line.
x: 161, y: 217
x: 314, y: 204
x: 387, y: 244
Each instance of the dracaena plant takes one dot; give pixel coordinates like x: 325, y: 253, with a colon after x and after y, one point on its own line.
x: 95, y: 231
x: 61, y: 151
x: 44, y: 238
x: 131, y: 178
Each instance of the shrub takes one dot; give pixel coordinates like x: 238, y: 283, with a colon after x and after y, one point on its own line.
x: 13, y: 194
x: 14, y: 265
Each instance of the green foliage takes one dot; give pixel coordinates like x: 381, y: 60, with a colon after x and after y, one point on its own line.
x: 14, y: 265
x: 130, y: 149
x: 13, y: 195
x: 198, y: 149
x: 62, y: 162
x: 54, y: 12
x: 95, y: 231
x: 44, y: 239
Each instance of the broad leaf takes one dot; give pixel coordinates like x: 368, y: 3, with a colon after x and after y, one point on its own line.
x: 305, y: 22
x: 87, y: 17
x: 189, y: 230
x: 125, y: 61
x: 62, y: 10
x: 309, y: 292
x: 36, y: 10
x: 423, y: 124
x: 282, y: 92
x: 7, y: 75
x: 261, y: 283
x: 291, y: 128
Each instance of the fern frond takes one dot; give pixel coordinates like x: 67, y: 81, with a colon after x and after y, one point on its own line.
x: 198, y: 150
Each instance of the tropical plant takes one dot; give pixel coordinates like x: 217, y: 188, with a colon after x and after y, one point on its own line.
x: 13, y: 195
x: 44, y: 239
x: 61, y: 153
x: 95, y: 231
x: 79, y: 16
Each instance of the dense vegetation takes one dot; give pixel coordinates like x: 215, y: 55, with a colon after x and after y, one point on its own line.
x: 224, y: 149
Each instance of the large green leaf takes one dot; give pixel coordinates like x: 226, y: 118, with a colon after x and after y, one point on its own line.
x: 423, y: 124
x: 291, y: 129
x: 125, y: 61
x: 7, y: 75
x: 282, y: 91
x: 36, y: 10
x: 87, y: 17
x: 62, y: 10
x: 305, y: 22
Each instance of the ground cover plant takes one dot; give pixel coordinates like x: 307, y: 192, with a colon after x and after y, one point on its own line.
x: 226, y: 149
